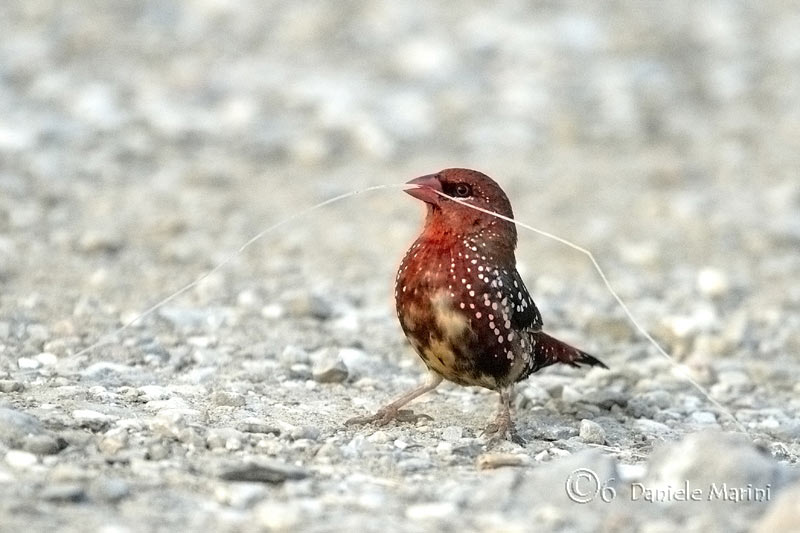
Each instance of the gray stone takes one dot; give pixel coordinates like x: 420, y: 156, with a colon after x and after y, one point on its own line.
x: 8, y: 386
x: 63, y: 493
x: 43, y: 444
x: 414, y: 464
x: 110, y: 490
x: 252, y: 425
x: 220, y: 437
x: 92, y: 419
x: 262, y: 471
x: 591, y: 432
x: 714, y: 457
x: 94, y: 241
x: 113, y: 441
x: 292, y: 355
x: 226, y: 398
x: 305, y: 432
x: 300, y: 371
x: 302, y: 304
x: 16, y: 426
x: 452, y: 433
x: 330, y: 371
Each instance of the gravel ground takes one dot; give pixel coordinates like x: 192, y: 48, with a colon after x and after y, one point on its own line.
x: 143, y: 142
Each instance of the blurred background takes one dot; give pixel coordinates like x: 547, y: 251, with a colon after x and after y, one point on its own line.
x: 143, y: 141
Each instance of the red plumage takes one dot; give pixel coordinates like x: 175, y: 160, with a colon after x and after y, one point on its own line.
x: 461, y: 302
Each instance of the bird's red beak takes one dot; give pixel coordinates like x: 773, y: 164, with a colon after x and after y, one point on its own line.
x: 425, y: 188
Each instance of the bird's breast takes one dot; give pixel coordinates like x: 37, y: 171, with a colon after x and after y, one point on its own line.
x: 452, y: 315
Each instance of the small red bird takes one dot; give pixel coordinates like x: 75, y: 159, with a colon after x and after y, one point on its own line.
x: 461, y: 302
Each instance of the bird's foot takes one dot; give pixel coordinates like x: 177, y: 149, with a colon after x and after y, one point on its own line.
x: 385, y: 415
x: 502, y: 428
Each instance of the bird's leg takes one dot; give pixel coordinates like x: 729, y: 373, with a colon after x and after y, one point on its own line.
x: 502, y: 426
x: 389, y: 412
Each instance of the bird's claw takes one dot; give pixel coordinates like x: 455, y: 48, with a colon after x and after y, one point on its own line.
x: 384, y: 416
x: 503, y: 429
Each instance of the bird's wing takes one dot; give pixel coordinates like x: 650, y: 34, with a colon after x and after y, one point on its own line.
x: 524, y: 314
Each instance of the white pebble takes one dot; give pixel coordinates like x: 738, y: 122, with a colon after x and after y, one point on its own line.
x: 28, y: 363
x: 592, y: 432
x: 47, y: 359
x: 704, y: 417
x: 88, y: 415
x: 430, y: 511
x: 20, y: 459
x: 712, y: 282
x: 452, y: 433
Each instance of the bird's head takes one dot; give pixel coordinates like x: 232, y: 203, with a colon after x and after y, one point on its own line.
x: 470, y: 187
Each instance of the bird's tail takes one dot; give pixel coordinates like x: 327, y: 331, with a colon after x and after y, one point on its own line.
x: 548, y: 351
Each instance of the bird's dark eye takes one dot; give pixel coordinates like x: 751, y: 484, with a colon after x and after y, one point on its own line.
x: 458, y: 190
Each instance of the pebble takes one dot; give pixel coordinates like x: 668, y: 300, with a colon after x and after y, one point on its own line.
x: 293, y: 355
x: 111, y: 489
x: 452, y: 433
x: 278, y: 516
x: 67, y: 493
x: 47, y: 359
x: 444, y: 449
x: 255, y: 425
x: 94, y: 241
x: 194, y: 318
x: 28, y: 363
x: 92, y: 419
x: 713, y: 457
x: 262, y: 471
x: 20, y: 459
x: 430, y: 511
x: 104, y: 370
x: 113, y: 441
x: 704, y: 417
x: 330, y: 371
x: 16, y: 427
x: 272, y: 311
x: 300, y: 371
x: 43, y: 444
x: 591, y: 432
x: 570, y: 394
x: 150, y: 393
x: 379, y: 437
x: 712, y: 282
x: 8, y: 386
x: 305, y: 432
x: 414, y: 464
x: 301, y: 304
x: 229, y: 399
x: 489, y: 461
x: 358, y: 362
x: 157, y: 451
x: 242, y: 495
x: 218, y: 438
